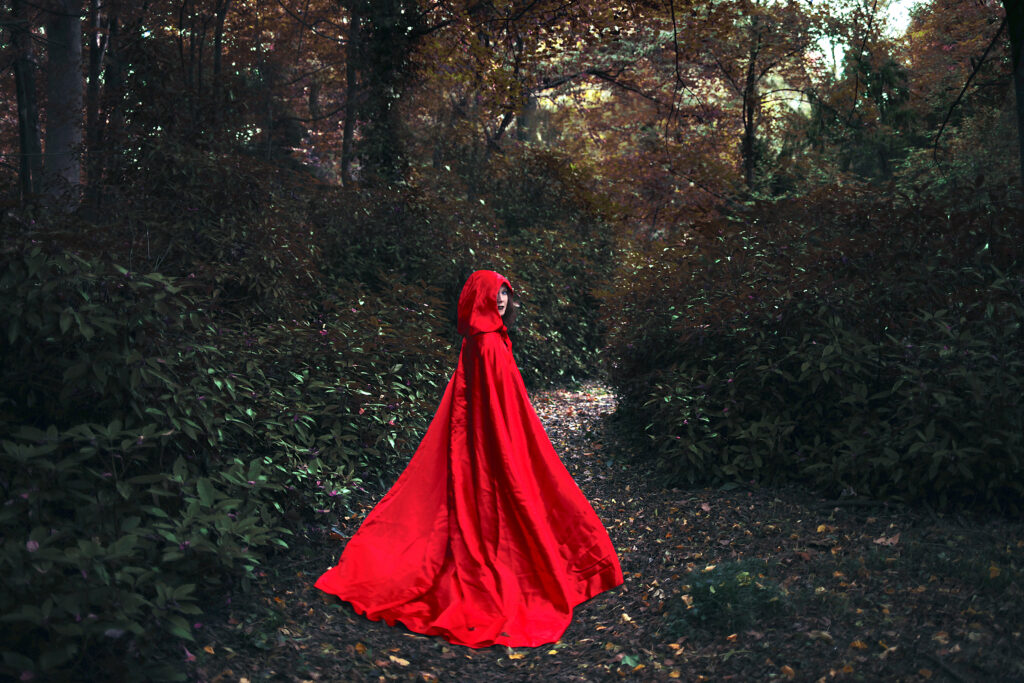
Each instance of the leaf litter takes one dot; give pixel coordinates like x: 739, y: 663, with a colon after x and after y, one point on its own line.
x: 823, y: 591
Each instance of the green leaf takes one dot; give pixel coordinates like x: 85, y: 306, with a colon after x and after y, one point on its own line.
x: 177, y: 626
x: 206, y: 491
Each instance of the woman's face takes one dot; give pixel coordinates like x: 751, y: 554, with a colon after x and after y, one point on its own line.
x: 503, y: 296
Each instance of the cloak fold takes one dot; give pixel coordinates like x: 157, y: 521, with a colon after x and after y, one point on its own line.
x: 485, y: 538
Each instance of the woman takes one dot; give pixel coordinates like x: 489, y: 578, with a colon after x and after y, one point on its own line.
x: 485, y: 538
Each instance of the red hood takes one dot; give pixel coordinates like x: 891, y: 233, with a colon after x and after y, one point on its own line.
x: 478, y: 303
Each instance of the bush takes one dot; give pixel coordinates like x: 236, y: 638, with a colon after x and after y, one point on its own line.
x: 840, y: 351
x: 431, y: 235
x: 148, y: 442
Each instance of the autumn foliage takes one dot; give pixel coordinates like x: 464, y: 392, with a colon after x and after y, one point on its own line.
x: 234, y: 233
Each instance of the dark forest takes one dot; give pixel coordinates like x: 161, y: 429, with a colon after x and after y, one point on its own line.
x: 769, y: 260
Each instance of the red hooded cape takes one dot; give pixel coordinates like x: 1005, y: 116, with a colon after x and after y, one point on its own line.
x: 485, y: 538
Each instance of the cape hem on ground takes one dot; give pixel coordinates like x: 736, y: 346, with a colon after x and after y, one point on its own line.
x: 608, y: 582
x: 485, y: 538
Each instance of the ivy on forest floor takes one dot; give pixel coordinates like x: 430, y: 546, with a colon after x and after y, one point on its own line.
x: 803, y: 589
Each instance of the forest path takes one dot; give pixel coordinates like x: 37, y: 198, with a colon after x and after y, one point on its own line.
x: 804, y: 590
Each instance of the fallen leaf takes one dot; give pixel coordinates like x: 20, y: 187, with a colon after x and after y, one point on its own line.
x: 516, y: 655
x: 208, y: 649
x: 787, y: 671
x: 993, y: 571
x: 398, y: 660
x: 859, y: 645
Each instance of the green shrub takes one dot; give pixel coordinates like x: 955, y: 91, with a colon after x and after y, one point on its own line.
x: 851, y: 356
x: 556, y: 250
x: 147, y: 442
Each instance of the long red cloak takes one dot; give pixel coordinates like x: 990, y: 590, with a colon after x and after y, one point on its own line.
x: 485, y: 538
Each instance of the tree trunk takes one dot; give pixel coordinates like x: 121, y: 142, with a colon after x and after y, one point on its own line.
x: 31, y: 153
x: 111, y: 120
x: 526, y: 120
x: 1015, y: 25
x: 388, y: 31
x: 218, y: 41
x: 748, y: 146
x: 351, y: 94
x: 99, y: 39
x: 751, y: 112
x: 62, y: 170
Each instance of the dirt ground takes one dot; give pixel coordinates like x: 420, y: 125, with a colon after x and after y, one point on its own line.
x: 720, y: 585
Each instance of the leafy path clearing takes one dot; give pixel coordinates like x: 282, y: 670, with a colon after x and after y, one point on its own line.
x: 866, y: 592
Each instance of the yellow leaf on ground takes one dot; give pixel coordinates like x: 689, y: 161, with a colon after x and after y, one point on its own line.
x: 859, y: 644
x: 398, y: 660
x: 516, y: 655
x: 674, y: 674
x: 787, y: 671
x: 208, y: 649
x: 360, y: 648
x: 552, y: 652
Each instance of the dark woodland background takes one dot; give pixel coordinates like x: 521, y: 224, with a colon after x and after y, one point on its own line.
x: 233, y: 234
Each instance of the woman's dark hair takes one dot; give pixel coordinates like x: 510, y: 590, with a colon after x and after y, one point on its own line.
x: 511, y: 312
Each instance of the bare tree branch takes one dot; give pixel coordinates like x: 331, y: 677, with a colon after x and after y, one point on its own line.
x: 312, y: 28
x: 977, y: 67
